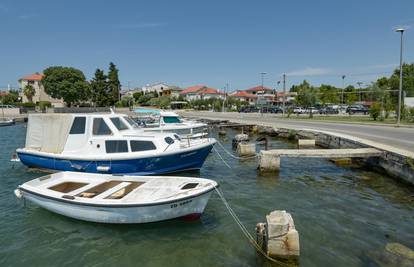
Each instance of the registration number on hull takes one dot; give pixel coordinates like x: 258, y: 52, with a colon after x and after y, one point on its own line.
x: 175, y: 205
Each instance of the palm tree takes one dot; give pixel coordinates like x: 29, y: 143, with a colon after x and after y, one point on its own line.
x: 29, y: 92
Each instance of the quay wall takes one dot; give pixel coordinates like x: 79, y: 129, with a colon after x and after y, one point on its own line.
x: 397, y: 163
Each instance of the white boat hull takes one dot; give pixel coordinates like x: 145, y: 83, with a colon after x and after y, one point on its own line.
x: 189, y: 207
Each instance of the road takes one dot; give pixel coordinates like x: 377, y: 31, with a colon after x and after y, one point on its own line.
x: 399, y: 137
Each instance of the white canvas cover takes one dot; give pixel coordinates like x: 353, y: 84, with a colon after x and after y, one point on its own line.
x: 48, y: 132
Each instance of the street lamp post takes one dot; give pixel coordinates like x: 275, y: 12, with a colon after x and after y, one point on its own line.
x: 400, y: 30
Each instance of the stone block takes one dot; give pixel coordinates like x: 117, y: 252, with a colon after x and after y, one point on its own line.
x: 246, y: 149
x: 306, y: 143
x: 269, y: 162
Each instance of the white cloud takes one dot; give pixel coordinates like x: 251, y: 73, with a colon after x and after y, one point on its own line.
x: 308, y: 71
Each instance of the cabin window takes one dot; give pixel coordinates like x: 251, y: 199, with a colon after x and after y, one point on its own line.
x: 78, y: 125
x: 171, y: 120
x: 120, y: 125
x: 100, y: 127
x: 116, y: 146
x: 169, y: 140
x: 142, y: 146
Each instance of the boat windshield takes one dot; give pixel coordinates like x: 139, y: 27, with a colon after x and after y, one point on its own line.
x: 131, y: 122
x: 119, y: 124
x: 171, y: 119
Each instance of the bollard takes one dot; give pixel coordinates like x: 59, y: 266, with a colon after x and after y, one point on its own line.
x: 269, y: 162
x: 306, y: 143
x: 239, y: 138
x: 278, y: 237
x: 246, y: 149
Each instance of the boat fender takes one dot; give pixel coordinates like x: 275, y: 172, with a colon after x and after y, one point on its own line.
x: 18, y: 193
x: 103, y: 168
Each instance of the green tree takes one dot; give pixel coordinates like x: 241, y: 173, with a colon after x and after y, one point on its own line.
x: 136, y: 95
x: 375, y: 110
x: 101, y: 94
x: 67, y: 83
x: 11, y: 98
x: 328, y: 94
x: 350, y: 95
x: 113, y: 83
x: 29, y: 92
x: 408, y: 79
x: 306, y: 95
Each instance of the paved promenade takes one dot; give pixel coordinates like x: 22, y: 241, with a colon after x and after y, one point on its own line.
x: 402, y: 138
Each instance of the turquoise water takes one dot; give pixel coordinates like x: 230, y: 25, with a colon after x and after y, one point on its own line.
x: 343, y: 215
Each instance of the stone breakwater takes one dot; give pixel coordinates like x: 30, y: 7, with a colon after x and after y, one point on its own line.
x: 395, y: 162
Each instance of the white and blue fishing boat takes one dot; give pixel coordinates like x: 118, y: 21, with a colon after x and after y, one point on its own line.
x: 107, y: 143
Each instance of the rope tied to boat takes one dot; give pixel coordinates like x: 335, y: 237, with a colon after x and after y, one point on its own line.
x: 246, y: 232
x: 232, y: 155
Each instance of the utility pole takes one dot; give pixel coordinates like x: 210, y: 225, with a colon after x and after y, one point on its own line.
x: 284, y: 94
x: 262, y: 76
x: 226, y: 89
x: 400, y: 30
x: 343, y: 88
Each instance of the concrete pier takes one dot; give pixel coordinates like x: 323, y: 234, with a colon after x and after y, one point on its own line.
x: 246, y: 149
x: 270, y: 159
x: 278, y: 237
x: 306, y: 143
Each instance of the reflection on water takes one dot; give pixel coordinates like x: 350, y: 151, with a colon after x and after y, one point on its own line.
x: 342, y: 214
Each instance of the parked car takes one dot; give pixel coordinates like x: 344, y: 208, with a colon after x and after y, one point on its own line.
x: 272, y: 110
x: 248, y: 109
x: 313, y: 110
x: 299, y: 110
x: 329, y: 110
x: 353, y: 109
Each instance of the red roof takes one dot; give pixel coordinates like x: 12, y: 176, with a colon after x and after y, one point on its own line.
x: 210, y: 91
x: 243, y: 94
x: 192, y: 89
x: 33, y: 77
x: 258, y: 88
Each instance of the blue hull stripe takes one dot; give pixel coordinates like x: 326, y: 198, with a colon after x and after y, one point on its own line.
x: 143, y: 166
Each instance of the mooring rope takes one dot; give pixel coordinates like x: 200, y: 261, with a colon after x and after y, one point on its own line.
x: 231, y: 154
x: 225, y: 163
x: 246, y: 232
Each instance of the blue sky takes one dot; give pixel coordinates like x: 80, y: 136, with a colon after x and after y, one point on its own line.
x: 207, y: 42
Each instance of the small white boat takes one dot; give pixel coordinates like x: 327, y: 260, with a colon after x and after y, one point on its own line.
x: 108, y: 198
x: 171, y: 122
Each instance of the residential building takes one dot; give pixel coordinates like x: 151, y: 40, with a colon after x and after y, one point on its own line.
x: 207, y: 93
x: 244, y: 96
x: 158, y: 88
x: 172, y: 91
x: 35, y: 80
x: 201, y: 92
x: 191, y: 93
x: 260, y: 90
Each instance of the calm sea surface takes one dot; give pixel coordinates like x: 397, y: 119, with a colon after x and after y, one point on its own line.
x: 344, y: 216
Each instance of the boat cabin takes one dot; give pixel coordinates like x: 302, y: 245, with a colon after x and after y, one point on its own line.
x: 93, y: 134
